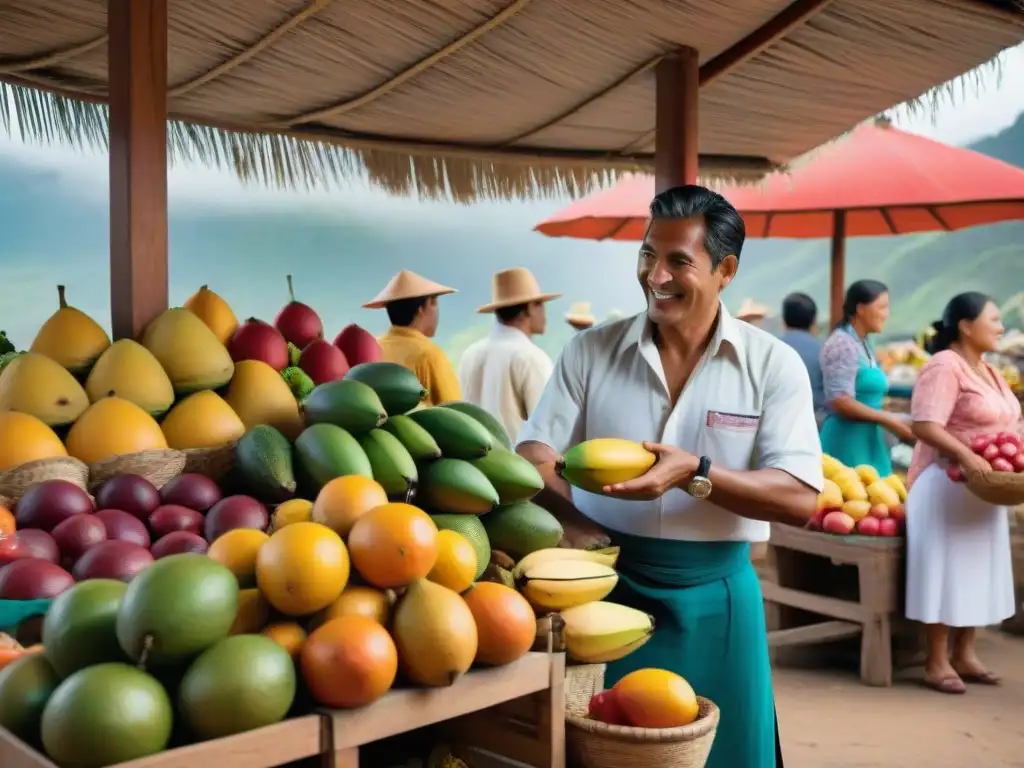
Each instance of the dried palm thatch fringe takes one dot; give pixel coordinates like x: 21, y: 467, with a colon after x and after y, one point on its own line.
x: 285, y: 162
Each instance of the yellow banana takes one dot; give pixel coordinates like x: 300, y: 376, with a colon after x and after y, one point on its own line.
x: 593, y: 464
x: 602, y: 632
x: 607, y: 556
x: 560, y: 584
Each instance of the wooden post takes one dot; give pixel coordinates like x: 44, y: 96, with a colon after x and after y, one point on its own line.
x: 837, y: 272
x: 676, y: 149
x: 137, y: 64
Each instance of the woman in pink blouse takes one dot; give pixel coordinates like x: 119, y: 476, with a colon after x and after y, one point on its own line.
x: 959, y: 573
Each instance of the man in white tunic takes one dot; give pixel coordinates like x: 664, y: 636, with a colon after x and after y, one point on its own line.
x: 505, y: 372
x: 727, y: 409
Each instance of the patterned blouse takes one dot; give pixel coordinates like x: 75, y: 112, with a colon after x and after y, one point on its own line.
x: 842, y: 355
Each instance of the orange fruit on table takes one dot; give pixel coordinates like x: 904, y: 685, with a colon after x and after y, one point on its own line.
x: 236, y: 550
x: 346, y: 499
x: 24, y: 438
x: 456, y: 562
x: 349, y: 662
x: 393, y: 545
x: 7, y: 524
x: 289, y: 635
x: 505, y: 623
x: 656, y: 698
x: 360, y: 601
x: 302, y: 568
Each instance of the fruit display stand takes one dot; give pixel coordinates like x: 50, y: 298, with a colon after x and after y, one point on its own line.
x: 867, y: 606
x: 275, y: 745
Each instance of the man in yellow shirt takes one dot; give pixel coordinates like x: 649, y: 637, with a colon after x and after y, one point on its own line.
x: 411, y: 304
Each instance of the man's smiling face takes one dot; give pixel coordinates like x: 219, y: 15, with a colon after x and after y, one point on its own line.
x: 676, y: 274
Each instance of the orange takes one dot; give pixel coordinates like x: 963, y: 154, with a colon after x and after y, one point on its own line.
x: 505, y: 623
x: 393, y: 545
x: 349, y: 662
x: 456, y: 562
x: 236, y: 550
x: 7, y: 525
x: 302, y: 568
x: 288, y: 635
x: 360, y: 601
x: 25, y: 438
x: 656, y: 698
x: 346, y: 499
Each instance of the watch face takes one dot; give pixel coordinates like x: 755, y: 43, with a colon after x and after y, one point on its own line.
x: 700, y: 488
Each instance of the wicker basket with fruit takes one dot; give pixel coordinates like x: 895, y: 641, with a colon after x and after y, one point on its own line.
x: 1004, y: 485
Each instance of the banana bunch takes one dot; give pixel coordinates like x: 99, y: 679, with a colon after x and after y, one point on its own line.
x: 574, y: 583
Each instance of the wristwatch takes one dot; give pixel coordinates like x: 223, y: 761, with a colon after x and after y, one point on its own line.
x: 700, y: 486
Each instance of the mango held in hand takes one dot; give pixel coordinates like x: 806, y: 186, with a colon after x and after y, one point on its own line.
x: 593, y: 464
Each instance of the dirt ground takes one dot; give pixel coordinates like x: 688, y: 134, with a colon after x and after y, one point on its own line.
x: 830, y: 720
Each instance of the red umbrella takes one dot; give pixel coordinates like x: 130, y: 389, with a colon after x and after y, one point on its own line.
x: 878, y: 180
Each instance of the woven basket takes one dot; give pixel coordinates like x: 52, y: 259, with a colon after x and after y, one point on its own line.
x: 159, y: 467
x: 215, y: 463
x: 1003, y: 488
x: 14, y: 482
x: 592, y: 744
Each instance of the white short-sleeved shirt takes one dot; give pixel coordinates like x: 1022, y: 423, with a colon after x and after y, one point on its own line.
x: 748, y: 405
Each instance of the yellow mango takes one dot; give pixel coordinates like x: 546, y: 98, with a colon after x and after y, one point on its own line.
x: 850, y: 486
x: 831, y: 466
x: 831, y: 497
x: 896, y: 483
x: 857, y: 509
x: 867, y: 474
x: 880, y: 492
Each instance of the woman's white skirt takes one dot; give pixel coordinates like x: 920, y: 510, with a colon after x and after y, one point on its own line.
x: 959, y: 571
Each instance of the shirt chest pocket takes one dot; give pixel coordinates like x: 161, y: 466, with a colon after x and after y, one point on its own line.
x: 729, y: 439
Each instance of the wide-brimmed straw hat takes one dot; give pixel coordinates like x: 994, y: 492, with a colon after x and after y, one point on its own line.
x: 579, y: 315
x: 751, y: 310
x: 407, y: 285
x: 512, y: 287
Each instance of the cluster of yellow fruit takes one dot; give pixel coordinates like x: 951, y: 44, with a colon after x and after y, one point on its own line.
x: 858, y: 500
x: 108, y: 397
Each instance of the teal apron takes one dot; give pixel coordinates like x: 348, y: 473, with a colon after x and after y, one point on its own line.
x: 860, y: 442
x: 709, y: 627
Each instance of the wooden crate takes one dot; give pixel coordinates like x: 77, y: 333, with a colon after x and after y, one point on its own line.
x: 269, y: 747
x: 516, y: 712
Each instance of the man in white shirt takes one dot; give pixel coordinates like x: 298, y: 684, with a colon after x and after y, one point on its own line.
x: 505, y: 372
x: 727, y: 409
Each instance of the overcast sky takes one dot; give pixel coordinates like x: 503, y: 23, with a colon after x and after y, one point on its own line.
x: 965, y: 119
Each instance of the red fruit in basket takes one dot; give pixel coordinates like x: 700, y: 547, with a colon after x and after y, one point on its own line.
x: 991, y: 452
x: 132, y: 493
x: 78, y: 534
x: 1008, y: 450
x: 1018, y: 462
x: 120, y: 560
x: 889, y: 526
x: 1008, y: 438
x: 838, y: 523
x: 867, y: 526
x: 1000, y: 464
x: 604, y: 707
x: 359, y: 345
x: 898, y: 512
x: 955, y: 473
x: 257, y: 340
x: 191, y: 490
x: 39, y: 544
x: 814, y: 523
x: 173, y: 517
x: 980, y: 442
x: 44, y: 505
x: 11, y: 549
x: 178, y: 543
x: 33, y: 579
x: 124, y: 527
x: 323, y: 362
x: 298, y: 322
x: 235, y: 512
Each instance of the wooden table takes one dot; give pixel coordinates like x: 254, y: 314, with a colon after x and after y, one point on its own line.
x: 803, y: 561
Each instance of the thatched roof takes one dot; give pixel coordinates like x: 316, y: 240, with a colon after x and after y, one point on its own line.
x: 495, y: 97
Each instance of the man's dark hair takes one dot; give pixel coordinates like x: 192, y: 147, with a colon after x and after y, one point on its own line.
x: 401, y: 313
x: 723, y: 223
x: 799, y: 311
x: 508, y: 314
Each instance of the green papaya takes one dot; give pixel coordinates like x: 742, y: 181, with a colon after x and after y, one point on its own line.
x: 513, y: 477
x: 263, y: 459
x: 457, y: 435
x: 419, y: 443
x: 486, y: 419
x: 392, y: 465
x: 324, y: 452
x: 351, y: 405
x: 398, y: 388
x: 456, y: 486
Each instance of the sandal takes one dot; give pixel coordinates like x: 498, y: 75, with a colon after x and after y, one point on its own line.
x: 982, y: 678
x: 951, y: 685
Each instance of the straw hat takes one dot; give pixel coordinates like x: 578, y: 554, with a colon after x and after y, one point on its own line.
x: 579, y: 315
x: 512, y: 287
x: 407, y: 285
x: 751, y: 310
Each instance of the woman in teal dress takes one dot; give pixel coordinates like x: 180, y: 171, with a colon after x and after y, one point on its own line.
x: 855, y: 386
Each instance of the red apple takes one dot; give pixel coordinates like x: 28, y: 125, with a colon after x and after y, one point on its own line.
x: 1009, y: 450
x: 814, y: 523
x: 604, y: 707
x: 999, y: 464
x: 890, y: 526
x: 879, y: 511
x: 980, y: 442
x: 256, y: 340
x: 955, y: 473
x: 1018, y: 462
x: 898, y: 512
x: 323, y: 362
x: 990, y: 452
x: 12, y: 549
x: 1008, y: 438
x: 359, y: 345
x: 298, y: 322
x: 867, y: 526
x: 838, y: 523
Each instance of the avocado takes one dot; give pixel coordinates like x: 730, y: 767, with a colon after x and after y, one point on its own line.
x: 263, y: 458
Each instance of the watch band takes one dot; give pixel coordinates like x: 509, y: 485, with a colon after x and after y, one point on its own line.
x: 703, y: 466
